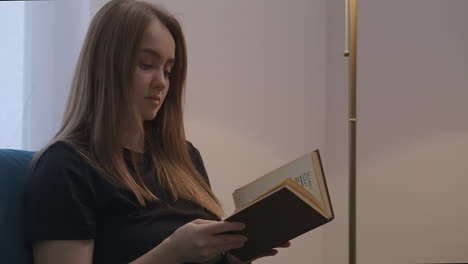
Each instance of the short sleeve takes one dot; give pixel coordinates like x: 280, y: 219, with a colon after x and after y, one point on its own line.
x: 60, y: 197
x: 198, y: 162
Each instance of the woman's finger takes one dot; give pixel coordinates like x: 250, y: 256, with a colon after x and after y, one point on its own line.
x: 220, y: 227
x: 285, y: 245
x: 203, y: 221
x: 229, y: 239
x: 270, y: 252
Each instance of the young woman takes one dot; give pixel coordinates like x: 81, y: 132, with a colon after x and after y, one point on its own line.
x: 119, y: 183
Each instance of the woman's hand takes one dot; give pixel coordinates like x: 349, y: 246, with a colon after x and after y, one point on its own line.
x: 200, y: 241
x: 271, y: 252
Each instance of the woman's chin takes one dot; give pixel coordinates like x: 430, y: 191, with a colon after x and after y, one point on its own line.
x: 149, y: 116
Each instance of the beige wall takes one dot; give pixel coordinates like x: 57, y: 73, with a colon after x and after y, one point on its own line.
x: 412, y: 132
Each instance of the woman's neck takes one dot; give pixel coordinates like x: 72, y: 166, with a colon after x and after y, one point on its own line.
x: 132, y: 138
x: 130, y: 141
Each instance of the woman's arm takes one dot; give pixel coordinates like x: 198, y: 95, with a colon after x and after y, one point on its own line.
x: 197, y: 241
x: 63, y: 251
x: 81, y: 252
x: 162, y: 253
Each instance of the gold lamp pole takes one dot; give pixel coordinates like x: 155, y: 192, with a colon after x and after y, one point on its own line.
x: 350, y: 53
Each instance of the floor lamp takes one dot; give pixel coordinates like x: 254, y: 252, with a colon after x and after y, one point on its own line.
x: 350, y: 53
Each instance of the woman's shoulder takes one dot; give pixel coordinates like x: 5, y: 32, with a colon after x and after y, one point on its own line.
x: 192, y: 149
x: 60, y: 161
x: 195, y: 154
x: 59, y: 154
x: 60, y: 196
x: 189, y: 144
x: 198, y: 161
x: 61, y: 174
x: 60, y: 148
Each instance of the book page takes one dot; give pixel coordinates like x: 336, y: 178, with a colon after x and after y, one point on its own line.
x: 323, y: 185
x: 300, y: 170
x: 308, y: 180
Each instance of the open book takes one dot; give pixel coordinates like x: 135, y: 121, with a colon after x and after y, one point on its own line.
x: 282, y: 205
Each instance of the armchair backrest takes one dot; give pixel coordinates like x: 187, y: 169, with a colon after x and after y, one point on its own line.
x: 14, y: 165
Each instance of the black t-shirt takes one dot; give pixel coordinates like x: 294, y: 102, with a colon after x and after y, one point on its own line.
x: 67, y: 200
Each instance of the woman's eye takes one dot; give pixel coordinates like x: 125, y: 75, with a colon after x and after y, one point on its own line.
x: 146, y: 66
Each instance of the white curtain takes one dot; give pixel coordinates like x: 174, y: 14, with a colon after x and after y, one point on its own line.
x: 48, y: 50
x: 11, y: 73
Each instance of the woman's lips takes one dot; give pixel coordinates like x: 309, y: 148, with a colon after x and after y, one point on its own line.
x: 154, y: 98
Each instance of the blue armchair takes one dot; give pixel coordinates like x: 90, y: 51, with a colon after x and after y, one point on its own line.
x: 14, y: 166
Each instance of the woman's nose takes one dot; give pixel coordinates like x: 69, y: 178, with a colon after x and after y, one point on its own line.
x: 159, y: 80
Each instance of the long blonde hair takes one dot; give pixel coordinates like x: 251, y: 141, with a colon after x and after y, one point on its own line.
x: 99, y: 96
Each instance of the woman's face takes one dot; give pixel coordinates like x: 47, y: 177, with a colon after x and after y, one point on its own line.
x: 154, y: 62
